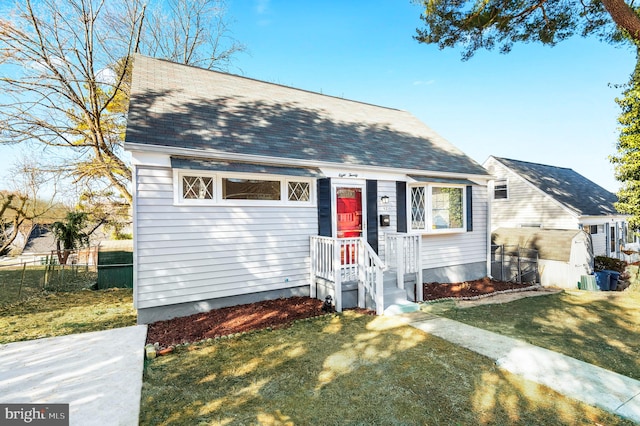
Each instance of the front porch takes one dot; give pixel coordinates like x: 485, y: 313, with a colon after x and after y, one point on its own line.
x: 352, y: 273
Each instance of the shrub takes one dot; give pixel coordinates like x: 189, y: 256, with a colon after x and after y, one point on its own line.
x: 609, y: 263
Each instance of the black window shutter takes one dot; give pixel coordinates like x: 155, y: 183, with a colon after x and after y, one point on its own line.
x: 401, y: 206
x: 469, y: 209
x: 372, y: 214
x: 324, y: 207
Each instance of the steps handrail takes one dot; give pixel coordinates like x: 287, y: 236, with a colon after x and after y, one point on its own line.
x: 330, y: 261
x: 374, y: 277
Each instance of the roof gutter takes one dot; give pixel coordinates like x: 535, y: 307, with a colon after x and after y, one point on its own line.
x: 249, y: 158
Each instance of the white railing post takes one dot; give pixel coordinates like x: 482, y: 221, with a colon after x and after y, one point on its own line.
x: 379, y: 293
x: 363, y: 270
x: 337, y: 272
x: 419, y: 294
x: 400, y: 258
x: 388, y: 250
x: 313, y: 268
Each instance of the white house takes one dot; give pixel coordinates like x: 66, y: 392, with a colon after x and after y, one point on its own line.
x: 541, y: 196
x: 246, y: 190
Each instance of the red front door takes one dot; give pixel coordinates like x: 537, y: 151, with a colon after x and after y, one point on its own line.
x: 349, y: 212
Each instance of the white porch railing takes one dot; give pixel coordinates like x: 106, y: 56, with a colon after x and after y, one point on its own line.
x: 340, y: 260
x: 402, y: 253
x: 371, y: 279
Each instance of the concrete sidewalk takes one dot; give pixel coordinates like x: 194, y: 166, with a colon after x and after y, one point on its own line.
x: 585, y: 382
x: 99, y: 374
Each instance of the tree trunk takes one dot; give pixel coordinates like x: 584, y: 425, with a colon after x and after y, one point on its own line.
x: 63, y: 254
x: 624, y: 16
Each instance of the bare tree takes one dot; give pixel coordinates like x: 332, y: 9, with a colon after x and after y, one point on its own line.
x: 60, y: 86
x: 65, y: 68
x: 12, y: 216
x: 191, y: 32
x: 24, y: 204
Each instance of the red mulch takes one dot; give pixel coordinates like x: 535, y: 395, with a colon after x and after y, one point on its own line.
x: 433, y: 291
x: 282, y: 312
x: 234, y: 319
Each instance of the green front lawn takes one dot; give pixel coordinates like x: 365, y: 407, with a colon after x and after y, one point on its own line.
x: 58, y: 314
x: 601, y: 328
x: 346, y: 369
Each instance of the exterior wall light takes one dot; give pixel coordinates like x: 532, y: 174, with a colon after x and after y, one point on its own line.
x: 384, y: 199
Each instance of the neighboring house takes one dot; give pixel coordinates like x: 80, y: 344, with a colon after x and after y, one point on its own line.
x: 246, y: 190
x: 547, y: 197
x: 41, y: 240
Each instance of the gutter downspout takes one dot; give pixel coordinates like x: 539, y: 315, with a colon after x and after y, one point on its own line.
x: 490, y: 187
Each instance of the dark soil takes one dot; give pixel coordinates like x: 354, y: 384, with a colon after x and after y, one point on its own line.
x: 282, y: 312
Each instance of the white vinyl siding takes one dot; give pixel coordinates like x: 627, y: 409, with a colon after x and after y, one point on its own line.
x: 439, y: 250
x: 387, y: 188
x: 187, y: 253
x: 527, y: 206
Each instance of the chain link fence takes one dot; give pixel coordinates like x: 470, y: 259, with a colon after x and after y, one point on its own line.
x: 514, y: 264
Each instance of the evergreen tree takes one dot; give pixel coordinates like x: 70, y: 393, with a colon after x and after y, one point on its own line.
x: 627, y: 158
x: 70, y: 234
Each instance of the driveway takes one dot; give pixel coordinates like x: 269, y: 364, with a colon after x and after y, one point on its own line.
x: 98, y: 374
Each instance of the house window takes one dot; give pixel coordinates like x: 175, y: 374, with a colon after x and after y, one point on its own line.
x: 612, y: 238
x: 629, y: 234
x: 418, y: 208
x: 591, y: 229
x: 197, y: 187
x: 500, y: 190
x: 250, y: 189
x: 299, y: 191
x: 207, y: 188
x: 446, y: 208
x: 437, y: 208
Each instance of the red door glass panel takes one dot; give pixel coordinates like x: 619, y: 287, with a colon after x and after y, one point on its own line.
x: 349, y: 211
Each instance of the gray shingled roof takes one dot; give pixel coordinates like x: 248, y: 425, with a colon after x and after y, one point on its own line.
x: 566, y: 186
x: 174, y: 105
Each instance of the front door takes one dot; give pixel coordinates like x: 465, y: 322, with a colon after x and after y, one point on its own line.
x: 349, y: 220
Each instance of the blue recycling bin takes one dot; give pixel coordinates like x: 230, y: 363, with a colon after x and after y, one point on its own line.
x: 614, y: 276
x: 602, y: 280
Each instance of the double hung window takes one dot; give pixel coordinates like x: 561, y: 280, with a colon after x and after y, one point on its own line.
x: 435, y: 208
x: 500, y: 190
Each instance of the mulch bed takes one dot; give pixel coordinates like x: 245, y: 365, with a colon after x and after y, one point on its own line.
x: 434, y: 291
x: 282, y: 312
x: 231, y: 320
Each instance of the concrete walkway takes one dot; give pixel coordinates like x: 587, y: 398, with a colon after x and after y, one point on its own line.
x: 585, y: 382
x: 99, y: 374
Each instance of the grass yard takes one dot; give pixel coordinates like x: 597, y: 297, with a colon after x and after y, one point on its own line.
x: 18, y: 284
x: 346, y: 369
x: 62, y: 313
x: 601, y: 328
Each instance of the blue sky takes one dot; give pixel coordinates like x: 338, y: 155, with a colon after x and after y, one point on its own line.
x: 539, y: 104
